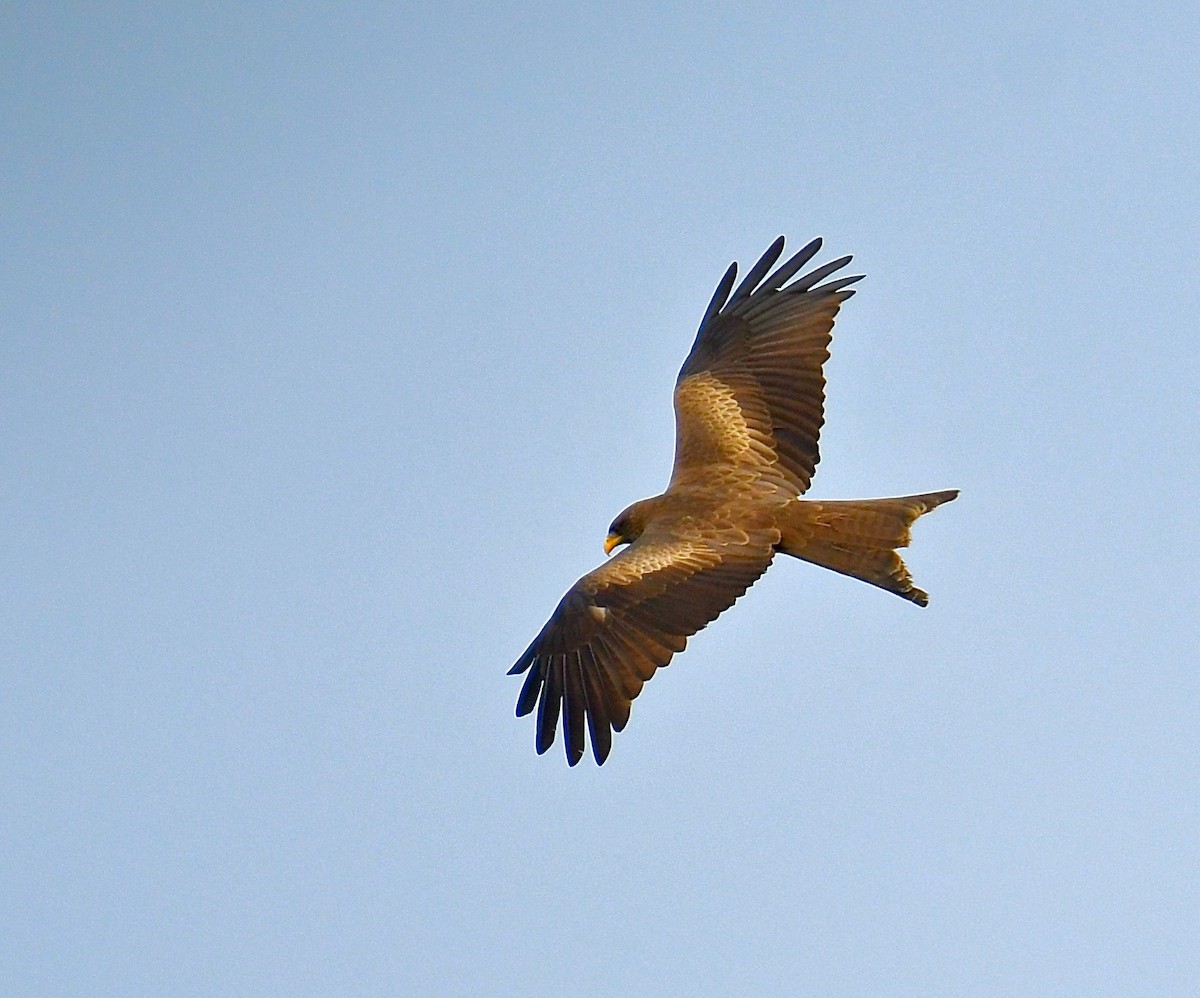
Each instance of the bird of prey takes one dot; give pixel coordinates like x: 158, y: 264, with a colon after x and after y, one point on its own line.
x: 749, y: 405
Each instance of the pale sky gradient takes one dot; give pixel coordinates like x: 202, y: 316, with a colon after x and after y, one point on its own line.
x: 332, y: 338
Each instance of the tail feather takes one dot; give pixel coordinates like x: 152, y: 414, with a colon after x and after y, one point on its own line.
x: 859, y: 537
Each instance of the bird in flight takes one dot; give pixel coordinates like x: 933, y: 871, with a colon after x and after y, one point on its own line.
x: 749, y: 404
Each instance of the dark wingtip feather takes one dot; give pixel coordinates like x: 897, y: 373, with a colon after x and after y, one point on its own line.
x: 529, y: 693
x: 574, y: 708
x: 599, y: 728
x: 601, y: 747
x: 758, y: 271
x: 526, y: 659
x: 809, y: 281
x: 549, y: 704
x: 720, y: 295
x: 841, y: 282
x: 791, y: 267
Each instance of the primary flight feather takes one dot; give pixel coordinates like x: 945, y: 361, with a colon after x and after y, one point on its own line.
x: 749, y: 404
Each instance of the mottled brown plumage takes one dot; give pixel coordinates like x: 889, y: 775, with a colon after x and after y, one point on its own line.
x: 749, y: 404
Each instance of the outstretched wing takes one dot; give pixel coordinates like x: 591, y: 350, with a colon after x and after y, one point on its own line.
x: 751, y: 393
x: 619, y: 623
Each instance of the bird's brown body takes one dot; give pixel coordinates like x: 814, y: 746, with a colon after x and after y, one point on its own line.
x: 749, y: 404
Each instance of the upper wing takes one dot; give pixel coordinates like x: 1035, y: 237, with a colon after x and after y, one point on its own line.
x: 619, y: 623
x: 751, y: 392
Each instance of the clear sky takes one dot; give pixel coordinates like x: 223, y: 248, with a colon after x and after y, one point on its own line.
x: 333, y: 338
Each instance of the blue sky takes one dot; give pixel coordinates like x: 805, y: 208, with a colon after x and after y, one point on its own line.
x: 332, y: 340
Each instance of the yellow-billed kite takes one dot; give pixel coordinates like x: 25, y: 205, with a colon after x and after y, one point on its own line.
x: 749, y: 404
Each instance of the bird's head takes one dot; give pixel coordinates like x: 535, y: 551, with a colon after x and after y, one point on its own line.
x: 629, y: 524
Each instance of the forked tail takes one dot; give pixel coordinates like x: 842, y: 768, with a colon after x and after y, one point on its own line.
x: 859, y: 537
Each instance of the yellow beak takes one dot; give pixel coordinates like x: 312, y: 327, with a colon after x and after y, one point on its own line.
x: 612, y: 541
